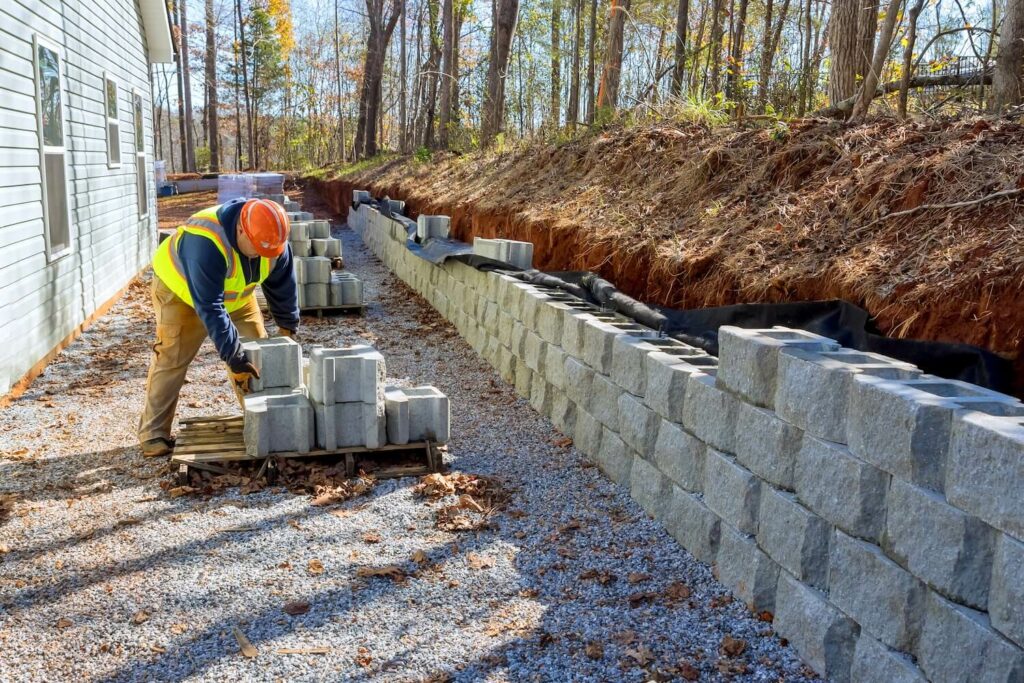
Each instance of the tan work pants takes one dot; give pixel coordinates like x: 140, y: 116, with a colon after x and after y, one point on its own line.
x: 179, y: 334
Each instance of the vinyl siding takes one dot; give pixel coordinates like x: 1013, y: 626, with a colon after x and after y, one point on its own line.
x: 42, y: 302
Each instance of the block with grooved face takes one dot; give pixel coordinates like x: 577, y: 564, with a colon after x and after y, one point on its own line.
x: 350, y: 374
x: 278, y: 360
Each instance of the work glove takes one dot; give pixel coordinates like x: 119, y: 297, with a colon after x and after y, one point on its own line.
x: 285, y: 332
x: 240, y: 375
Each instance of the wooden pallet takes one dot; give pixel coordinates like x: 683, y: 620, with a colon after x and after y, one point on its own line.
x: 319, y: 311
x: 206, y: 443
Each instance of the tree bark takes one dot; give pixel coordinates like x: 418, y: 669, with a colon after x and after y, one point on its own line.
x: 430, y: 70
x: 506, y: 15
x: 1008, y: 84
x: 842, y: 38
x: 250, y: 136
x: 591, y: 61
x: 908, y: 56
x: 176, y: 18
x: 845, y: 107
x: 190, y: 143
x: 608, y: 92
x: 735, y: 80
x: 715, y: 49
x: 555, y: 113
x: 403, y: 138
x: 340, y: 134
x: 773, y: 33
x: 679, y: 70
x: 573, y: 114
x: 447, y: 57
x: 867, y: 27
x: 867, y: 90
x: 212, y: 103
x: 379, y: 36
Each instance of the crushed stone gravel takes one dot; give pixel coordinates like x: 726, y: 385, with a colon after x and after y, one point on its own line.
x: 104, y: 576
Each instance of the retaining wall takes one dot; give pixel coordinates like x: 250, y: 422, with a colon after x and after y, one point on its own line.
x: 876, y: 512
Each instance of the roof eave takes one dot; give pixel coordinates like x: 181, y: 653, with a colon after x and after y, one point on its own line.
x: 158, y: 31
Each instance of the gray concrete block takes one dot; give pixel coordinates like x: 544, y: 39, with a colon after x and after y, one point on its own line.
x: 1006, y: 595
x: 563, y: 413
x: 578, y: 380
x: 904, y: 426
x: 506, y: 365
x: 554, y: 365
x: 327, y: 246
x: 505, y: 322
x: 629, y: 365
x: 986, y: 469
x: 319, y: 229
x: 278, y: 360
x: 667, y: 377
x: 650, y: 488
x: 690, y: 522
x: 361, y: 197
x: 317, y: 294
x: 614, y: 458
x: 396, y: 413
x: 524, y: 377
x: 513, y: 252
x: 710, y: 413
x: 429, y: 227
x: 638, y: 424
x: 540, y: 394
x: 767, y: 445
x: 842, y: 488
x: 813, y: 388
x: 346, y: 290
x: 518, y: 344
x: 312, y: 270
x: 342, y: 425
x: 298, y: 232
x: 550, y: 318
x: 598, y: 344
x: 587, y: 434
x: 748, y: 359
x: 823, y: 636
x: 958, y: 644
x: 534, y: 350
x: 429, y: 415
x: 794, y: 537
x: 746, y: 570
x: 278, y: 424
x: 573, y: 327
x: 949, y: 550
x: 301, y: 247
x: 731, y: 491
x: 886, y: 600
x: 873, y: 662
x: 350, y: 374
x: 680, y: 456
x: 604, y: 401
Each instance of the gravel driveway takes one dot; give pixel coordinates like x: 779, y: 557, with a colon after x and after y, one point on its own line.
x: 104, y: 576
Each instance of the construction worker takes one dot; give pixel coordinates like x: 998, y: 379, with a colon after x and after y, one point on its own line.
x: 205, y: 275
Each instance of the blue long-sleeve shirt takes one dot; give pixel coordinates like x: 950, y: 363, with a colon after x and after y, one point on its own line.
x: 205, y: 270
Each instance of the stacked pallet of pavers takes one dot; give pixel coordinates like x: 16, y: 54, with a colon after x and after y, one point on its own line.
x: 278, y: 414
x: 873, y: 510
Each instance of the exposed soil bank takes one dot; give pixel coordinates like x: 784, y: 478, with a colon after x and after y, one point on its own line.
x: 689, y: 218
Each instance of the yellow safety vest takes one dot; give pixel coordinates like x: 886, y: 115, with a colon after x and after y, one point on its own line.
x: 167, y: 262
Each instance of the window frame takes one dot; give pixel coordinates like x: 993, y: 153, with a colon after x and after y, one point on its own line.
x: 44, y: 149
x: 116, y: 120
x: 139, y: 132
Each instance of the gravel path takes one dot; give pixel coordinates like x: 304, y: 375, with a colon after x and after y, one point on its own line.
x: 104, y: 576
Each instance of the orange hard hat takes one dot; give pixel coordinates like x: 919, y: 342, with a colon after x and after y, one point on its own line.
x: 266, y: 225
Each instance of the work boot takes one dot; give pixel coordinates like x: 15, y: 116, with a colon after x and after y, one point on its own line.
x: 154, y: 448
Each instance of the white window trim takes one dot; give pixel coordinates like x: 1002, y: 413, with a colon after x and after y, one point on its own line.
x: 37, y: 41
x: 107, y: 120
x: 140, y: 152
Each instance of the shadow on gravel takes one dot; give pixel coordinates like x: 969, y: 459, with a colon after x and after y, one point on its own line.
x: 79, y: 475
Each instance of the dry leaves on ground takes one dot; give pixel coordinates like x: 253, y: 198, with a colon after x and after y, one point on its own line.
x: 296, y: 607
x: 140, y: 617
x: 315, y: 567
x: 371, y: 537
x: 363, y: 657
x: 393, y: 572
x: 732, y: 647
x: 594, y: 650
x: 476, y: 561
x: 244, y: 644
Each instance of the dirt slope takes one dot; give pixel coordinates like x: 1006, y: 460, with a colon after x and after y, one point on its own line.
x: 688, y: 217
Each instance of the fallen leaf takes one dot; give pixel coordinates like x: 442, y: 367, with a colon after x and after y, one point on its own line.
x: 466, y: 502
x: 296, y: 607
x: 766, y: 616
x: 733, y: 647
x: 476, y: 561
x: 64, y: 622
x: 594, y: 650
x: 624, y: 637
x: 158, y: 648
x: 244, y: 644
x: 390, y: 571
x: 688, y: 671
x: 642, y: 655
x: 562, y: 443
x: 179, y: 491
x: 677, y: 590
x: 637, y: 577
x: 371, y: 537
x: 140, y: 617
x: 178, y: 629
x: 363, y: 657
x: 302, y: 651
x: 419, y: 557
x: 315, y: 567
x: 637, y: 599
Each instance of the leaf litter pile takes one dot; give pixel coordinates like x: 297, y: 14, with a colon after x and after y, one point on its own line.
x: 478, y: 499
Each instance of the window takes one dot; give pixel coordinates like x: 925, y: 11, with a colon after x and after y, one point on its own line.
x: 141, y: 180
x: 50, y: 115
x: 113, y: 123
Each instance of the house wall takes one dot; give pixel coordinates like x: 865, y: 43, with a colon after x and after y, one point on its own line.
x: 43, y: 301
x: 872, y: 513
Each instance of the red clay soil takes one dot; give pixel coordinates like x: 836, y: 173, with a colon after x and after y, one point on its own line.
x: 691, y: 218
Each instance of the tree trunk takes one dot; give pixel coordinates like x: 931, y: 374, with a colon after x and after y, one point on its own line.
x: 430, y: 69
x: 337, y: 73
x: 908, y: 56
x: 572, y: 116
x: 377, y: 41
x: 842, y: 37
x: 735, y: 87
x: 176, y: 18
x: 249, y: 133
x: 238, y: 109
x: 867, y: 27
x: 805, y: 63
x: 447, y: 55
x: 460, y: 17
x: 715, y: 49
x: 190, y: 143
x: 555, y: 114
x: 591, y: 61
x: 679, y: 70
x: 771, y: 46
x: 1008, y: 85
x: 506, y: 15
x: 403, y: 139
x: 608, y: 92
x: 867, y: 91
x: 843, y: 109
x: 212, y: 103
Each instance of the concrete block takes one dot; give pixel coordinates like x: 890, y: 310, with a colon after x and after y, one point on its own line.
x: 886, y: 600
x: 349, y: 374
x: 534, y: 351
x: 598, y: 344
x: 709, y: 413
x: 731, y: 491
x: 614, y: 458
x: 490, y: 318
x: 319, y: 229
x: 1006, y: 595
x: 573, y: 326
x: 345, y: 290
x: 518, y: 344
x: 950, y: 550
x: 524, y: 377
x: 518, y: 254
x: 326, y: 247
x: 429, y: 227
x: 317, y: 294
x: 824, y: 636
x: 278, y: 360
x: 748, y: 359
x: 429, y: 414
x: 841, y: 487
x: 587, y: 434
x: 986, y: 469
x: 650, y: 488
x: 505, y: 323
x: 298, y: 232
x: 540, y: 394
x: 313, y: 270
x: 767, y: 445
x: 533, y: 300
x: 396, y: 412
x: 680, y: 456
x: 794, y: 537
x: 554, y: 365
x: 302, y: 248
x: 813, y: 388
x: 396, y: 206
x: 746, y: 570
x: 550, y: 318
x: 361, y: 197
x: 341, y: 425
x: 873, y: 661
x: 604, y: 401
x: 667, y: 377
x: 904, y: 426
x: 278, y: 424
x: 629, y: 365
x: 563, y: 413
x: 638, y: 424
x: 690, y: 522
x: 958, y: 644
x: 579, y: 379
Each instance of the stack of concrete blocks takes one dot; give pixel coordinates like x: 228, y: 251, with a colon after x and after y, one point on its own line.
x: 361, y: 197
x: 430, y: 227
x: 875, y: 511
x: 299, y: 216
x: 313, y: 277
x: 326, y: 246
x: 345, y: 289
x: 417, y: 414
x: 346, y: 386
x: 313, y: 238
x: 519, y: 254
x: 278, y: 415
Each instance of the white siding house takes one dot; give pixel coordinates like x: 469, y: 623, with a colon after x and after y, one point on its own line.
x: 77, y: 208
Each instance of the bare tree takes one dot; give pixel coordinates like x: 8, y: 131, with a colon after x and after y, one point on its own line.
x: 572, y: 116
x: 337, y: 70
x: 908, y: 56
x: 842, y: 36
x: 679, y: 70
x: 772, y: 38
x: 189, y: 148
x: 735, y: 75
x: 382, y: 27
x: 506, y: 15
x: 1007, y: 81
x: 556, y: 65
x: 403, y: 138
x: 447, y: 74
x: 212, y: 128
x: 591, y: 60
x: 611, y: 74
x: 874, y: 75
x: 715, y: 50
